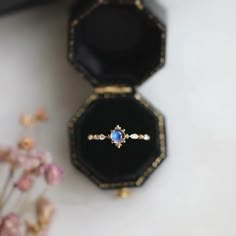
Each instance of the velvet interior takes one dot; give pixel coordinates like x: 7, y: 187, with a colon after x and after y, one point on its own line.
x: 108, y: 163
x: 117, y: 44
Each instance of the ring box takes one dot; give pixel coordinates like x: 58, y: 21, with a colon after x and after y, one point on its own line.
x: 117, y: 45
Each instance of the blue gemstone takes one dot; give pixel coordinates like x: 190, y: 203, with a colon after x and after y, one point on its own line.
x: 117, y: 136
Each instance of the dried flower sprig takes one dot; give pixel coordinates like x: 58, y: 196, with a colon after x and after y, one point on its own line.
x: 30, y: 120
x: 45, y: 211
x: 10, y: 225
x: 53, y: 174
x: 26, y: 165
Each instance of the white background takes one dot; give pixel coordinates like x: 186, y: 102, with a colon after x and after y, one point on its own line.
x: 193, y: 192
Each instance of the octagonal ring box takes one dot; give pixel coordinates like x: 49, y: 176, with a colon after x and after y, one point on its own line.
x: 117, y: 45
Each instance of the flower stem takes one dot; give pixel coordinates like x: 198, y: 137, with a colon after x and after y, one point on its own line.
x: 7, y: 199
x: 6, y: 185
x: 45, y: 190
x: 18, y: 202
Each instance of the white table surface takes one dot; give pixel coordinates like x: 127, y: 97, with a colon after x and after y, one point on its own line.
x: 193, y: 193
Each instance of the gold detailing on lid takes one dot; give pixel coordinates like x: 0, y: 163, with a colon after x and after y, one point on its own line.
x: 139, y: 4
x: 113, y: 89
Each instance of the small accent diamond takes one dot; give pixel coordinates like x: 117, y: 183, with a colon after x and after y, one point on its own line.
x: 134, y: 136
x: 141, y: 136
x: 102, y: 136
x: 146, y: 137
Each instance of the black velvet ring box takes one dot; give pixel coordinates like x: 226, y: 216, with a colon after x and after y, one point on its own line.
x: 117, y: 45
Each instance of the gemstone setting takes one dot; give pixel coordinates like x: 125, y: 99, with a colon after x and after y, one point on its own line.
x: 118, y: 136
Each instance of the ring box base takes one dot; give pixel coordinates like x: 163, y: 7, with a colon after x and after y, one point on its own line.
x: 103, y: 162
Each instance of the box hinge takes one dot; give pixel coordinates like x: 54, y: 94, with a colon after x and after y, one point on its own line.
x: 116, y: 89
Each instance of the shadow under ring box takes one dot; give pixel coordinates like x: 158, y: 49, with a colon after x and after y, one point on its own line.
x: 117, y: 45
x: 7, y: 6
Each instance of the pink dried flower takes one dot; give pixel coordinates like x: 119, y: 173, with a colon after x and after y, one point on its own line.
x: 53, y: 174
x: 30, y: 163
x: 25, y: 183
x: 4, y: 152
x: 9, y: 154
x: 44, y: 233
x: 27, y: 120
x: 35, y: 162
x: 10, y: 225
x: 44, y: 157
x: 12, y: 157
x: 45, y: 210
x: 41, y: 115
x: 36, y: 229
x: 26, y: 144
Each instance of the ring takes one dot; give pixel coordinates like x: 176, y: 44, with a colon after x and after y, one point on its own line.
x: 118, y: 136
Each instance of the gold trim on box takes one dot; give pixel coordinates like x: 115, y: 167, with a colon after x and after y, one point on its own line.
x: 149, y: 170
x: 113, y: 89
x: 139, y: 5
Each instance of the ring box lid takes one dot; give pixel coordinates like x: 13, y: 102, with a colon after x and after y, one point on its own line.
x: 115, y: 42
